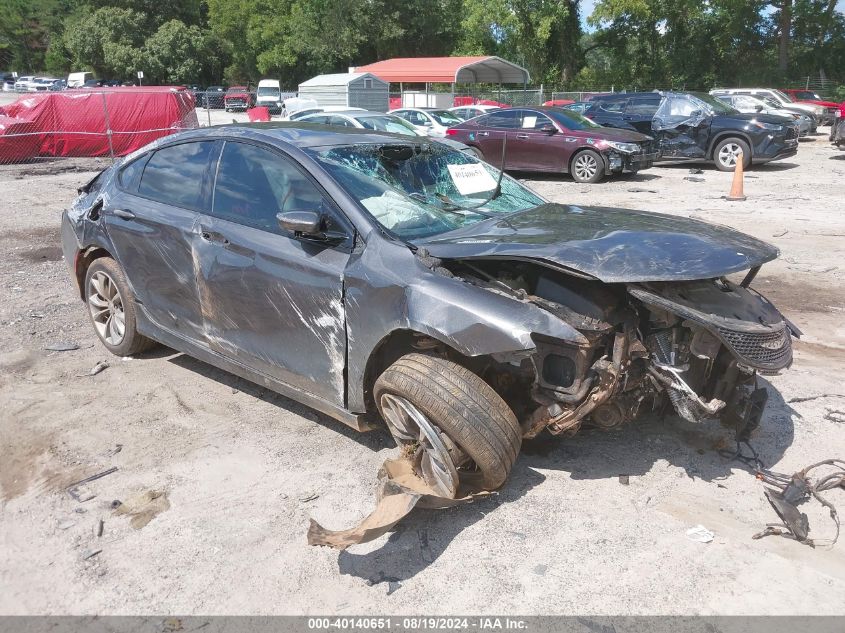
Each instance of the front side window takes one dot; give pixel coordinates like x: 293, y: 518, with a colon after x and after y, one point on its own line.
x: 504, y: 119
x: 417, y: 190
x: 572, y: 120
x: 535, y: 121
x: 254, y: 184
x: 175, y: 174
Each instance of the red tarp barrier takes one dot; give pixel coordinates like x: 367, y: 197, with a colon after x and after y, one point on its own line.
x: 260, y: 113
x: 14, y: 147
x: 76, y: 122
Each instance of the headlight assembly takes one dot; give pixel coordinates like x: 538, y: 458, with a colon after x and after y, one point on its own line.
x: 625, y: 148
x: 774, y: 127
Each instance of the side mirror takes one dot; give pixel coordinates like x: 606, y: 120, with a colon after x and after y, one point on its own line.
x: 548, y: 129
x: 300, y: 223
x: 758, y: 108
x: 695, y: 114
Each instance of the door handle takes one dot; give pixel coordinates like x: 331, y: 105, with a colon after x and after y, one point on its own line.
x: 123, y: 214
x: 483, y: 133
x: 213, y: 236
x: 522, y: 136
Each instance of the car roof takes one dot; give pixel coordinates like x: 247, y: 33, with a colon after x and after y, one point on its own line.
x: 617, y: 96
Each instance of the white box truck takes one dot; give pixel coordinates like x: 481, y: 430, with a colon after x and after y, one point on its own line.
x: 269, y: 95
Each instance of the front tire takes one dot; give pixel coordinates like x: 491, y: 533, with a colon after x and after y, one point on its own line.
x: 725, y: 153
x: 450, y: 418
x: 587, y: 167
x: 112, y: 308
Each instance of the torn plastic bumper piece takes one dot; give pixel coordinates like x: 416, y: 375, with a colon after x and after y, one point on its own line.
x: 400, y: 491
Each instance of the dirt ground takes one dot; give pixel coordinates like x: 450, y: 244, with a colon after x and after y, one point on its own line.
x: 220, y: 476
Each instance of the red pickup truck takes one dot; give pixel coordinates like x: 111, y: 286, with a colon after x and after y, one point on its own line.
x: 238, y: 98
x: 810, y: 96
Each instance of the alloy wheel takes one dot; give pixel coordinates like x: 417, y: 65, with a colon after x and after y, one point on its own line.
x: 728, y: 154
x: 431, y: 459
x: 106, y: 307
x: 585, y: 166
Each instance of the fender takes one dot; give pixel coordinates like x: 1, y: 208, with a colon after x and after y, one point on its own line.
x: 472, y: 320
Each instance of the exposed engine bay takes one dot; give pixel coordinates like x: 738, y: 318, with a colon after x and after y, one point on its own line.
x: 693, y: 346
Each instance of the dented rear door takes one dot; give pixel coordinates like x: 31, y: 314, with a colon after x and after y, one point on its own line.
x: 151, y: 226
x: 271, y: 301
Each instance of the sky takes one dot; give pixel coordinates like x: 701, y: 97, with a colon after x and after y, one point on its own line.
x: 588, y: 5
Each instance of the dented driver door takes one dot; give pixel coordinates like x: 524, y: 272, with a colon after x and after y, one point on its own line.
x: 271, y: 301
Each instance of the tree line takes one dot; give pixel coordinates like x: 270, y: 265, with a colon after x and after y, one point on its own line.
x: 626, y: 43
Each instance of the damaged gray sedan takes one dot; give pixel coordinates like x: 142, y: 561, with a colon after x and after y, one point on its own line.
x: 381, y: 278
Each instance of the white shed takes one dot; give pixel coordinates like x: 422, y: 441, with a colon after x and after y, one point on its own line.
x: 353, y: 90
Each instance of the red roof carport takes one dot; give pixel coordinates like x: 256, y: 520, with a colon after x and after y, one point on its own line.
x: 484, y: 69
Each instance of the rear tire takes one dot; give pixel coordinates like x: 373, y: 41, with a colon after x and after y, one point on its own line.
x: 724, y: 154
x: 477, y: 424
x: 112, y: 308
x: 587, y: 166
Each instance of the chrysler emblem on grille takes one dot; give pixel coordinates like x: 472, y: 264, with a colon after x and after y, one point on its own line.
x: 775, y: 343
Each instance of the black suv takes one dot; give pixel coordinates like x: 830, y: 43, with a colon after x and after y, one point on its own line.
x: 697, y: 127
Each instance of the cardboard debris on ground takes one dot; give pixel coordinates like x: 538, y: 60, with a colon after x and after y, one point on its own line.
x: 400, y: 491
x: 143, y: 507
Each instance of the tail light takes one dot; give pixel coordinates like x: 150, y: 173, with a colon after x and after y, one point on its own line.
x: 451, y: 132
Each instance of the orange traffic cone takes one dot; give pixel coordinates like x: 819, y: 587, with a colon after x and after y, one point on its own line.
x: 736, y: 194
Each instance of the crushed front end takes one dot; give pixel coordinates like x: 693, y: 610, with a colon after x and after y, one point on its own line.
x: 694, y: 347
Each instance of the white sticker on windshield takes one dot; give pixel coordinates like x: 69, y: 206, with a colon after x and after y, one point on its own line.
x: 529, y: 121
x: 471, y: 178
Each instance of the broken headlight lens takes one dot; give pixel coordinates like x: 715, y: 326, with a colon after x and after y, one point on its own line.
x: 769, y: 126
x: 625, y: 148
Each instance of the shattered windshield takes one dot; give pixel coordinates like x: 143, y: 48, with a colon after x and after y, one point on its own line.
x: 420, y: 190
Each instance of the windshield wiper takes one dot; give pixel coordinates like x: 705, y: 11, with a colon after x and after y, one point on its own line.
x: 446, y: 204
x: 497, y: 191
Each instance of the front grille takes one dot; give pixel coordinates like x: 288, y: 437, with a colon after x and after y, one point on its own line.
x: 765, y: 350
x: 791, y: 132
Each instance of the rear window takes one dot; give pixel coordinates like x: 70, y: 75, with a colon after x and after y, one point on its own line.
x: 643, y: 106
x: 128, y: 175
x: 175, y: 175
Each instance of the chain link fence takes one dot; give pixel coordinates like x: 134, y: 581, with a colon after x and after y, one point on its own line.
x: 90, y: 123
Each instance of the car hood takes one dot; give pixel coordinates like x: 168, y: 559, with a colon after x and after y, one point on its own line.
x: 746, y: 117
x: 612, y: 245
x: 616, y: 134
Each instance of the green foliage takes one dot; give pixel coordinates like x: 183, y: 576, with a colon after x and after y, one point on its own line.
x: 629, y: 43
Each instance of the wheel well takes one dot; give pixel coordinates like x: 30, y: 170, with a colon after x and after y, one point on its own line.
x: 726, y: 135
x: 581, y: 150
x: 502, y: 377
x: 84, y: 260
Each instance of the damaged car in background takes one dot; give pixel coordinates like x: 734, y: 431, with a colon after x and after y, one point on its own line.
x: 387, y: 279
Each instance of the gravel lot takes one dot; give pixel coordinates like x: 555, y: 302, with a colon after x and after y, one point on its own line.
x: 236, y: 464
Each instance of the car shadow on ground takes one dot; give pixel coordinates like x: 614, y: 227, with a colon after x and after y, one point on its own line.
x: 374, y: 440
x: 632, y: 450
x: 710, y: 167
x: 566, y: 178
